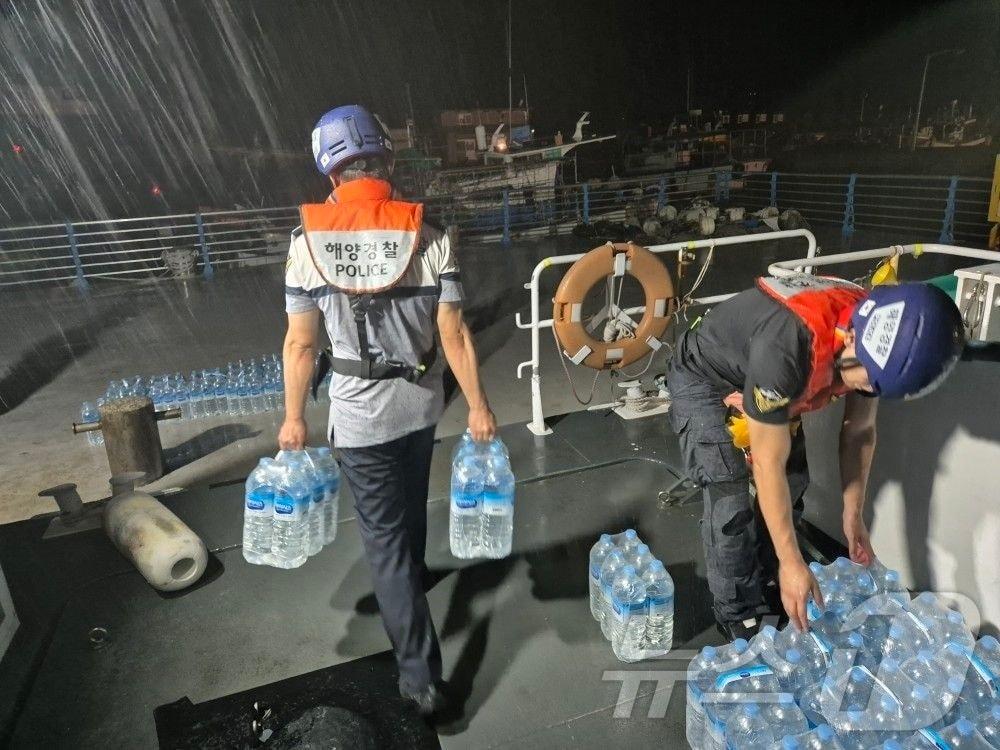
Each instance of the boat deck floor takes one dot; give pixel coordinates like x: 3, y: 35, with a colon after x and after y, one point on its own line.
x: 525, y: 660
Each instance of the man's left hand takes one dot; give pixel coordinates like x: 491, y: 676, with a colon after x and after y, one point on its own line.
x: 482, y: 424
x: 858, y: 541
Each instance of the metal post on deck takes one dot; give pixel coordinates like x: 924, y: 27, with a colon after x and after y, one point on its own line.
x: 661, y: 195
x: 947, y: 235
x: 506, y: 217
x: 206, y: 263
x: 81, y: 281
x: 586, y: 203
x: 847, y: 228
x: 774, y: 188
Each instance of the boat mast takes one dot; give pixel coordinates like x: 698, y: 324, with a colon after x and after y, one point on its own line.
x: 510, y: 77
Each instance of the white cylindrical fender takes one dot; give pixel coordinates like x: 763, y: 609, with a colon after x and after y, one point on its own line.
x: 667, y: 213
x: 706, y: 226
x: 160, y: 545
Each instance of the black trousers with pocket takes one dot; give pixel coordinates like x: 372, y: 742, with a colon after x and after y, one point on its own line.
x: 738, y: 549
x: 389, y: 483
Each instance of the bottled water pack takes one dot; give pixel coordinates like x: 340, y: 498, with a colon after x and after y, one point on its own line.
x: 876, y: 670
x: 481, y: 517
x: 290, y: 508
x: 631, y: 596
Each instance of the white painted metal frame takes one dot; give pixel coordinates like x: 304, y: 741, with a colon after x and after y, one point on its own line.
x: 537, y: 424
x: 788, y: 267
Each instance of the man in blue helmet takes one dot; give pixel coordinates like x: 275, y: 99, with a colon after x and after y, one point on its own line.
x: 791, y: 345
x: 384, y: 280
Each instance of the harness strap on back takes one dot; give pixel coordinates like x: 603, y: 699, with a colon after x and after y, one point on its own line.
x: 369, y: 367
x: 360, y: 305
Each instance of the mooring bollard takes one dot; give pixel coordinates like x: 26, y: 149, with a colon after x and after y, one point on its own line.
x: 131, y: 436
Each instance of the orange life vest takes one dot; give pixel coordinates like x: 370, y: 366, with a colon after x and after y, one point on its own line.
x: 362, y: 241
x: 824, y: 305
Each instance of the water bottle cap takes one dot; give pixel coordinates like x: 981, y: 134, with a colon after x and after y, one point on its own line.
x: 842, y: 563
x: 855, y: 640
x: 965, y: 727
x: 955, y: 618
x: 793, y: 655
x: 887, y: 703
x: 955, y: 685
x: 642, y: 549
x: 920, y: 693
x: 789, y: 743
x: 709, y: 652
x: 656, y: 566
x: 751, y: 710
x: 629, y: 570
x: 989, y: 643
x: 890, y: 665
x: 605, y: 537
x: 740, y: 645
x: 857, y: 675
x: 865, y: 581
x: 769, y: 631
x: 855, y: 715
x: 630, y: 534
x: 815, y: 567
x: 892, y: 576
x: 825, y: 732
x: 896, y: 631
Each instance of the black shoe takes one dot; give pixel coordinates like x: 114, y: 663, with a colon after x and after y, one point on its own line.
x: 745, y: 629
x: 429, y: 701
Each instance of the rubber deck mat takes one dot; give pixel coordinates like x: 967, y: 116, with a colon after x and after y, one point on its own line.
x: 353, y: 705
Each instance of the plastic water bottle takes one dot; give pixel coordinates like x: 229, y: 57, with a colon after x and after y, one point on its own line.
x: 498, y: 504
x: 989, y: 725
x: 815, y: 650
x: 659, y: 607
x: 640, y: 558
x: 291, y: 513
x: 256, y: 384
x: 821, y: 738
x: 182, y: 397
x: 465, y: 523
x: 628, y: 598
x: 899, y: 644
x: 613, y: 563
x: 964, y: 735
x: 258, y: 512
x: 944, y: 623
x: 243, y: 390
x: 748, y: 729
x: 889, y: 582
x: 301, y: 461
x: 329, y: 471
x: 90, y: 413
x: 784, y: 717
x: 465, y: 442
x: 232, y: 393
x: 701, y: 676
x: 979, y: 686
x: 601, y: 549
x: 627, y: 542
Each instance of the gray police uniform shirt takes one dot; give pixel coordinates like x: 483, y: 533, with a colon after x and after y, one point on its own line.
x: 401, y: 326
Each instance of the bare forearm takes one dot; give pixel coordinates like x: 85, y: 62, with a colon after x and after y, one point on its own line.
x: 298, y: 368
x: 774, y: 499
x: 856, y: 451
x: 460, y: 351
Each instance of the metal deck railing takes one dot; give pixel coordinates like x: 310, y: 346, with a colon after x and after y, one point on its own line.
x: 917, y: 208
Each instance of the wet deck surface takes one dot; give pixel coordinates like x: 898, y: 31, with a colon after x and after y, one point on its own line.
x: 523, y: 655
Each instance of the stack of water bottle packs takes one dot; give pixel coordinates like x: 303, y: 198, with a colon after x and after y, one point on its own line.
x: 290, y: 508
x: 481, y: 517
x: 632, y: 596
x: 875, y: 670
x: 238, y: 389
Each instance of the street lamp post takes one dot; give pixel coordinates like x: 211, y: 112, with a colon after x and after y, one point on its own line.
x: 923, y: 83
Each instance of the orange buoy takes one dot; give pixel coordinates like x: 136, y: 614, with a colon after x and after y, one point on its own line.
x: 593, y: 268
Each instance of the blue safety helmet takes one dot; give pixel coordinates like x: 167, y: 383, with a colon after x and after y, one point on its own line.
x: 908, y: 337
x: 346, y: 134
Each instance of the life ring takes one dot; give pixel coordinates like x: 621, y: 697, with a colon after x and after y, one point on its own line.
x: 593, y: 268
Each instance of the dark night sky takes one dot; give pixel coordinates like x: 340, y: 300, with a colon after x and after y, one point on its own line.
x: 169, y: 82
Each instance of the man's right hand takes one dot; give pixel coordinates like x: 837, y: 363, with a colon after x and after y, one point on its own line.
x: 292, y: 436
x: 797, y: 583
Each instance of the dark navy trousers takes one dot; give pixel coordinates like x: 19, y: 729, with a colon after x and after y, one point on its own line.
x: 389, y: 483
x: 738, y: 549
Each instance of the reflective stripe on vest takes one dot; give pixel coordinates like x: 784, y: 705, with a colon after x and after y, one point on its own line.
x: 821, y: 304
x: 362, y: 246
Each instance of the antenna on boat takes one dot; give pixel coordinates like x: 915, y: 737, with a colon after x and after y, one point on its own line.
x: 510, y: 72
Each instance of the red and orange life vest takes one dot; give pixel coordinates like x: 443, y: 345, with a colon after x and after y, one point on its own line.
x: 824, y: 305
x: 362, y: 241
